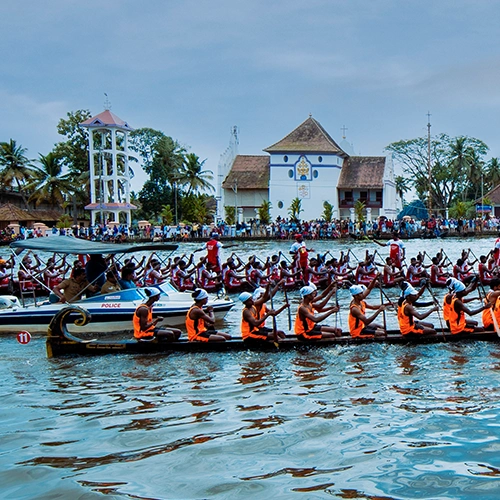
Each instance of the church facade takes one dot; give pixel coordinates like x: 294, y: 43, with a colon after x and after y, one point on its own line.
x: 309, y: 166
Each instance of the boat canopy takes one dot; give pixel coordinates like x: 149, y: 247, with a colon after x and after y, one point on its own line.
x: 70, y: 245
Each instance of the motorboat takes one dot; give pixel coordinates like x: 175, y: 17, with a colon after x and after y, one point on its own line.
x: 110, y: 312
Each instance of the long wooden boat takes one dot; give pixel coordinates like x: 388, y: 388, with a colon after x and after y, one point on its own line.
x: 60, y: 342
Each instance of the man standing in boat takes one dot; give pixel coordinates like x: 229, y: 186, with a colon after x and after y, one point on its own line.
x: 145, y: 327
x: 396, y: 249
x: 213, y: 247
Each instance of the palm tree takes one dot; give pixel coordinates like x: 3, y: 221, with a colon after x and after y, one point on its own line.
x: 492, y: 176
x: 193, y: 175
x: 294, y: 209
x: 16, y: 167
x: 48, y: 185
x: 402, y: 186
x: 166, y: 166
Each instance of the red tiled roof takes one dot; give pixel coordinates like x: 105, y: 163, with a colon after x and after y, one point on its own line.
x: 363, y: 172
x: 308, y: 137
x: 248, y: 172
x: 110, y: 206
x: 106, y: 119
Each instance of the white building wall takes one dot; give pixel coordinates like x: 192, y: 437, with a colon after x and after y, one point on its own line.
x: 317, y: 184
x: 390, y: 209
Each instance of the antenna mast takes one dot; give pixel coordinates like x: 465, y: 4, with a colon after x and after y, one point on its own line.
x: 429, y: 200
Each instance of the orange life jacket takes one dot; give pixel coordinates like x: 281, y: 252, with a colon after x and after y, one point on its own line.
x: 138, y: 333
x: 303, y: 325
x: 195, y: 327
x: 355, y: 324
x: 247, y: 330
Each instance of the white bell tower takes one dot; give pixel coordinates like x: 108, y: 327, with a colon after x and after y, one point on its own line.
x: 109, y: 168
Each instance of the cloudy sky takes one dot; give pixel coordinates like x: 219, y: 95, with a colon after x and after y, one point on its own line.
x: 193, y: 69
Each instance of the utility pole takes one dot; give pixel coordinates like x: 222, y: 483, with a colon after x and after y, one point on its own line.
x: 429, y: 200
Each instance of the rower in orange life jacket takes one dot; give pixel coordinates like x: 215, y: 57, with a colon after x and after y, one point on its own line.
x: 252, y: 329
x: 307, y: 325
x: 456, y: 309
x: 359, y: 325
x: 145, y: 326
x: 198, y: 317
x: 407, y: 312
x: 493, y: 297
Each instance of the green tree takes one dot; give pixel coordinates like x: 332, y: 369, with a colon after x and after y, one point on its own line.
x: 402, y: 186
x: 167, y: 215
x: 491, y: 177
x: 193, y: 176
x: 153, y: 197
x: 295, y: 209
x: 230, y: 214
x: 456, y: 165
x: 74, y: 151
x: 48, y: 184
x: 164, y: 171
x: 144, y: 142
x: 462, y: 210
x: 359, y: 209
x: 15, y: 168
x: 263, y: 211
x: 327, y: 211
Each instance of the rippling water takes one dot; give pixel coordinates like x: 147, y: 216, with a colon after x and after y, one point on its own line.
x: 367, y: 422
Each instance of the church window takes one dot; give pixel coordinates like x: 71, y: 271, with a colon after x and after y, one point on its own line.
x: 290, y: 173
x: 280, y: 204
x: 285, y: 159
x: 315, y: 174
x: 320, y: 159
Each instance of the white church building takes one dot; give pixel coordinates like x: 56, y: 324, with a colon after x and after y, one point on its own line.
x: 309, y: 165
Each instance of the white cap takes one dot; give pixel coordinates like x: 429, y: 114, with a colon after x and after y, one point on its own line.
x: 258, y: 293
x: 409, y: 290
x: 199, y: 294
x: 356, y: 290
x: 306, y: 290
x: 244, y: 296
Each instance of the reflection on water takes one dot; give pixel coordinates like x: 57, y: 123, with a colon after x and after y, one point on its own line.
x: 365, y: 422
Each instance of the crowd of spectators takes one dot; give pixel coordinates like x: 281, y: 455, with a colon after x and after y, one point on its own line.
x: 280, y: 229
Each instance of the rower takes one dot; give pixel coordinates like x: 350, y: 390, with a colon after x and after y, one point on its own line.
x: 391, y: 276
x: 492, y: 297
x: 200, y: 320
x: 438, y: 276
x: 145, y: 326
x: 262, y: 295
x: 252, y: 329
x: 306, y: 321
x: 359, y: 325
x: 486, y: 276
x: 454, y: 308
x: 407, y: 312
